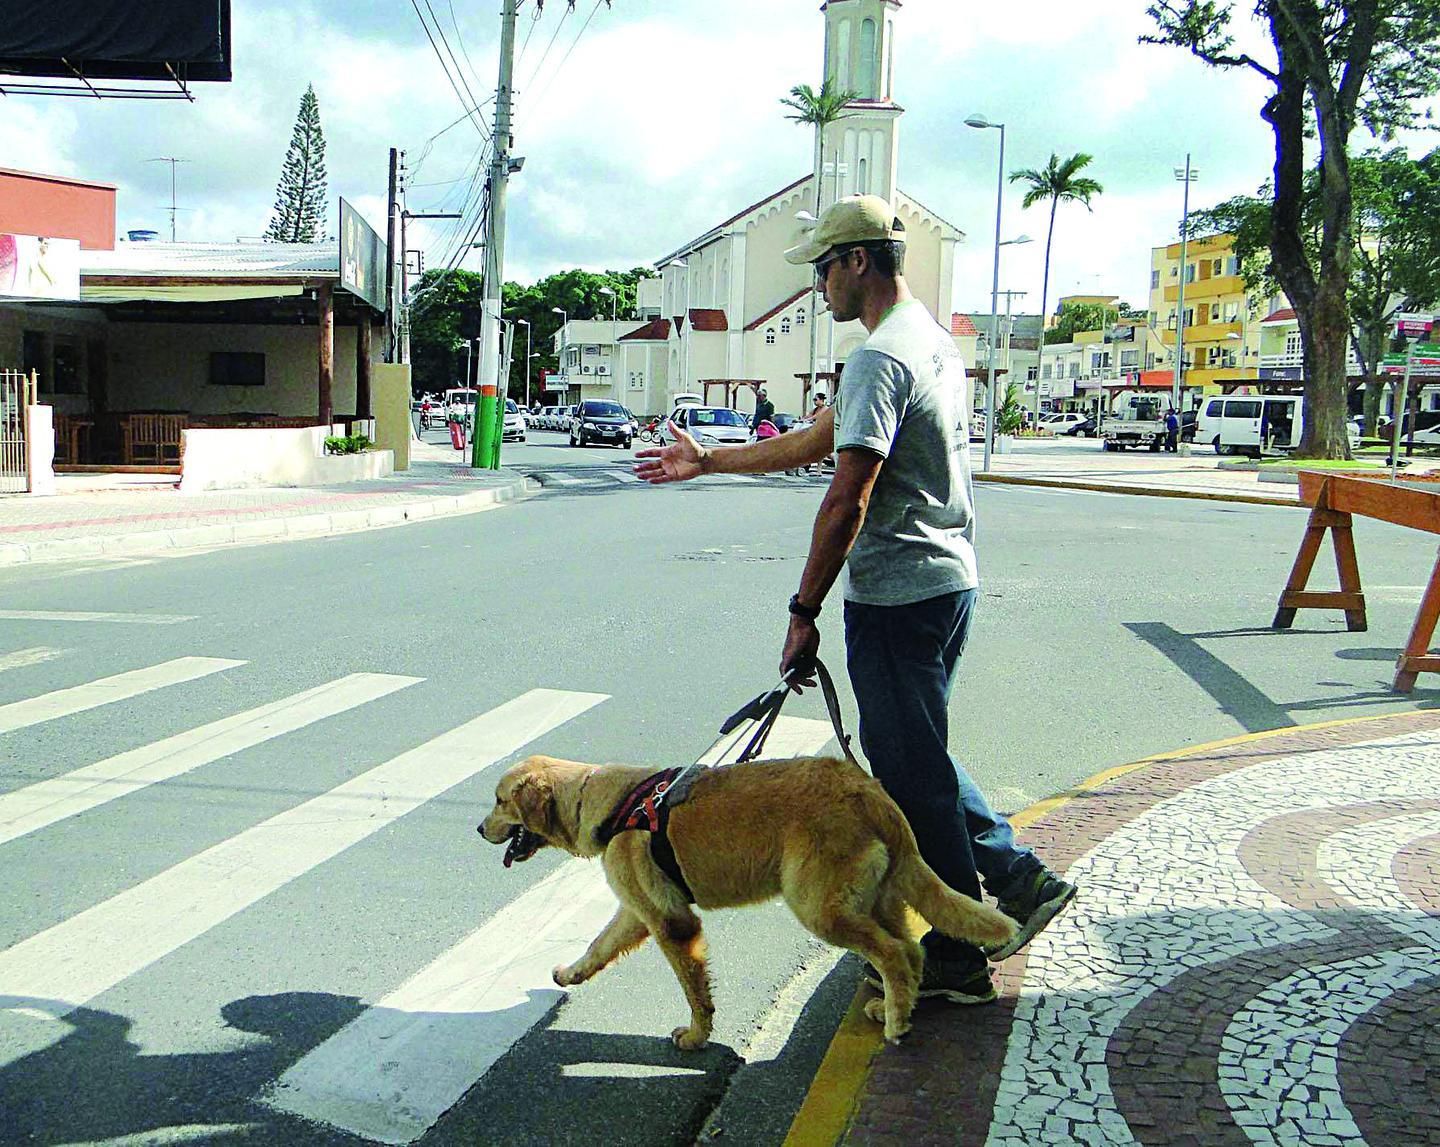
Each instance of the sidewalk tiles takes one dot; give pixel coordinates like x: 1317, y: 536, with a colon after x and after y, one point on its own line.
x: 1253, y: 957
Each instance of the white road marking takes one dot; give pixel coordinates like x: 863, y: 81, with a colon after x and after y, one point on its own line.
x: 72, y: 615
x: 626, y: 476
x: 740, y: 477
x: 393, y: 1071
x: 24, y: 657
x: 107, y: 690
x: 91, y: 952
x: 39, y: 805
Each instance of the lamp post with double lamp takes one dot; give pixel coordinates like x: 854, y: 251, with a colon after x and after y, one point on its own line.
x: 528, y: 356
x: 685, y: 329
x: 808, y: 222
x: 564, y: 346
x: 981, y: 123
x: 613, y: 300
x: 1186, y: 175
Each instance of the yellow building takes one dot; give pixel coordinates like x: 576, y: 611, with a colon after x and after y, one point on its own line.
x: 1221, y: 321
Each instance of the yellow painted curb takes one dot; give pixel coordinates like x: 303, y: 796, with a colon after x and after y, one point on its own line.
x: 834, y: 1093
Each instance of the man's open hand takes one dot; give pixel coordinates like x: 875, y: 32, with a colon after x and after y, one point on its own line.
x: 674, y: 463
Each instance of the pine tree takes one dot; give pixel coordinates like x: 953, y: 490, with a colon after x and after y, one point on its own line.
x: 300, y: 198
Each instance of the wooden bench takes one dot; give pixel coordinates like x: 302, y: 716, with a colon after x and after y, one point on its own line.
x: 1334, y: 499
x: 152, y: 438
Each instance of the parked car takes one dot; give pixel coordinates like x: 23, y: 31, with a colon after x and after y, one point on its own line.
x: 784, y: 422
x: 1085, y: 428
x: 710, y: 425
x: 599, y: 420
x: 1063, y: 423
x: 514, y: 423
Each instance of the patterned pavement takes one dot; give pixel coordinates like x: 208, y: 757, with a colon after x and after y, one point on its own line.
x: 1253, y: 958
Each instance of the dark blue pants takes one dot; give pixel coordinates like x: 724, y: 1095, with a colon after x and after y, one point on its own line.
x: 902, y: 661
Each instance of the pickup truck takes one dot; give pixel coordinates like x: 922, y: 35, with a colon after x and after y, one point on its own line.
x: 1139, y: 420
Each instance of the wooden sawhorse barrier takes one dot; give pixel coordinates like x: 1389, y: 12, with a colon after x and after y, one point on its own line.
x: 1333, y: 499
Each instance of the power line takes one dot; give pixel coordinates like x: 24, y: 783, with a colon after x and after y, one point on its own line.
x: 563, y: 17
x: 470, y: 101
x: 469, y: 104
x: 549, y: 79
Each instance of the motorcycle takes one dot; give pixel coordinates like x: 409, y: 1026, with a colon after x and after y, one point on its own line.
x: 650, y: 432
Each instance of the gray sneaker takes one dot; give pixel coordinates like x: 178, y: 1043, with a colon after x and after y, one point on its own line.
x: 946, y: 980
x: 1041, y: 901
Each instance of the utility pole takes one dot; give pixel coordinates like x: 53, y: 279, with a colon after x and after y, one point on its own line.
x: 172, y: 161
x: 490, y: 413
x: 390, y: 213
x: 1187, y: 176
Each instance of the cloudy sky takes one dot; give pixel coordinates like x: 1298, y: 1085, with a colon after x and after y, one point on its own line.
x: 664, y: 119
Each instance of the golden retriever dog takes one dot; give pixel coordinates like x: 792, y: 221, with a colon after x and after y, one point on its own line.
x: 817, y: 831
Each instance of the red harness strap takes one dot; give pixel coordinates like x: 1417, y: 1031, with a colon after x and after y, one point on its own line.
x: 644, y: 809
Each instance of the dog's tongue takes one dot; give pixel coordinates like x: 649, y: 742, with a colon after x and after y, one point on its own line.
x: 513, y: 848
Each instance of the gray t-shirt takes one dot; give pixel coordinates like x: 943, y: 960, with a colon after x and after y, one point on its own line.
x: 904, y: 395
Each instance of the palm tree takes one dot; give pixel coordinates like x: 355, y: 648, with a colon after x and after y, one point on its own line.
x: 819, y: 109
x: 1058, y: 182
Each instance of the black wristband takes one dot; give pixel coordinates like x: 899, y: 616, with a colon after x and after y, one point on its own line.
x: 808, y: 612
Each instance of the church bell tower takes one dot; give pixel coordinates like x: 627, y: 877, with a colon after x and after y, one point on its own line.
x: 860, y: 57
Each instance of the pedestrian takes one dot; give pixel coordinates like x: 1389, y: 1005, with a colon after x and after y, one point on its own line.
x: 1172, y: 431
x: 819, y: 407
x: 764, y: 410
x: 899, y: 518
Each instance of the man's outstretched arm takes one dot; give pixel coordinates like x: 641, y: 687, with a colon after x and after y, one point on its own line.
x: 686, y: 458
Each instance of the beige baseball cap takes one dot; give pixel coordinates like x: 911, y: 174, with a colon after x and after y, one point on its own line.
x: 854, y: 219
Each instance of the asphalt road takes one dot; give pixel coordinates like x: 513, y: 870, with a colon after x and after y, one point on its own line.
x: 244, y: 942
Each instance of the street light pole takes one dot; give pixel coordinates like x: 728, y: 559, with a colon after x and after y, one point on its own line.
x: 528, y: 357
x: 1187, y: 176
x: 564, y: 344
x: 981, y: 123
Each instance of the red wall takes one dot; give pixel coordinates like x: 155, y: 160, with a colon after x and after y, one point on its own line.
x: 58, y: 208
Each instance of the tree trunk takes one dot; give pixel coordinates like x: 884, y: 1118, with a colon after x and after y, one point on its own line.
x: 1044, y: 302
x: 1325, y: 394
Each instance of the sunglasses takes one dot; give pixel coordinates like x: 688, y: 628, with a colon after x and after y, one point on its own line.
x: 822, y: 268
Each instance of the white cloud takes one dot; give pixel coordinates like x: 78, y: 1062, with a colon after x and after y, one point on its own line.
x: 664, y: 120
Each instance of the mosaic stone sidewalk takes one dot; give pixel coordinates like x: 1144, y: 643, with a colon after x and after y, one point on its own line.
x: 1254, y: 957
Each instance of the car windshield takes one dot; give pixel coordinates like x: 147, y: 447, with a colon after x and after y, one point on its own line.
x: 604, y: 410
x: 716, y: 416
x: 510, y: 407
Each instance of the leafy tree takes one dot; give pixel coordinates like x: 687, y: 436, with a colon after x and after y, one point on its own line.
x: 300, y: 197
x: 1338, y: 65
x: 1059, y: 182
x: 819, y: 110
x: 1080, y: 317
x: 1395, y: 256
x: 446, y: 307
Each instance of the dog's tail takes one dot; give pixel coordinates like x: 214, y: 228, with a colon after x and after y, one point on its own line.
x: 951, y: 912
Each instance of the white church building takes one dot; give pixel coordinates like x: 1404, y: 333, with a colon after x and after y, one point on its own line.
x: 732, y: 313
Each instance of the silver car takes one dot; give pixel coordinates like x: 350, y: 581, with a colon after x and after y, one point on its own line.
x: 710, y: 425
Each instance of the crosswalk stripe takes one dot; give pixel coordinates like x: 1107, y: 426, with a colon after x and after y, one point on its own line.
x: 107, y: 690
x: 39, y: 805
x: 394, y: 1070
x: 77, y: 615
x: 76, y: 960
x: 22, y: 658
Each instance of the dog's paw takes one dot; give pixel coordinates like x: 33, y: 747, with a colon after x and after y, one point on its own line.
x: 875, y: 1009
x: 896, y: 1033
x: 688, y: 1039
x: 566, y: 976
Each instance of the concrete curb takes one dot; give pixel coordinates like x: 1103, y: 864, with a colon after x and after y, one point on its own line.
x: 256, y: 530
x: 829, y: 1106
x: 1152, y: 491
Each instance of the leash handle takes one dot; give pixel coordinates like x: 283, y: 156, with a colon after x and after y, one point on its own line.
x: 766, y: 708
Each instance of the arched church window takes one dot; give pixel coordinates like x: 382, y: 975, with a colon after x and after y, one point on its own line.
x: 769, y: 336
x: 862, y: 181
x: 800, y: 317
x: 842, y: 54
x: 784, y: 326
x: 869, y: 61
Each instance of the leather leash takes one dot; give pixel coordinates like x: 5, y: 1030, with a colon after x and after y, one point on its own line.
x: 765, y: 708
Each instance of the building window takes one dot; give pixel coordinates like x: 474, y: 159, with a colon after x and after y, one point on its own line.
x: 769, y: 336
x: 67, y: 368
x: 1129, y: 358
x: 1155, y: 279
x: 237, y: 368
x: 862, y: 185
x: 32, y: 358
x: 784, y: 326
x: 869, y: 61
x: 1190, y: 273
x: 1232, y: 265
x: 1074, y: 368
x: 1217, y: 266
x: 800, y: 317
x: 1292, y: 343
x: 1045, y: 373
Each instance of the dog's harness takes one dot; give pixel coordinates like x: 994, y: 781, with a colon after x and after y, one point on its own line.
x: 647, y: 807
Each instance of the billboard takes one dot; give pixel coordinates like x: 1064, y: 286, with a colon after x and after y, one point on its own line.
x: 168, y: 40
x: 35, y: 267
x: 362, y: 258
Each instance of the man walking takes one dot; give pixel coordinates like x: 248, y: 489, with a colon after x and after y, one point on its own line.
x: 1172, y: 431
x: 764, y: 410
x: 899, y: 517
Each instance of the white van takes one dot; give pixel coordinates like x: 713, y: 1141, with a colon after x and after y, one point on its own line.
x: 1256, y: 424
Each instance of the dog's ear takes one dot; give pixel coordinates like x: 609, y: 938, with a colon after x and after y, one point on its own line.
x: 535, y: 798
